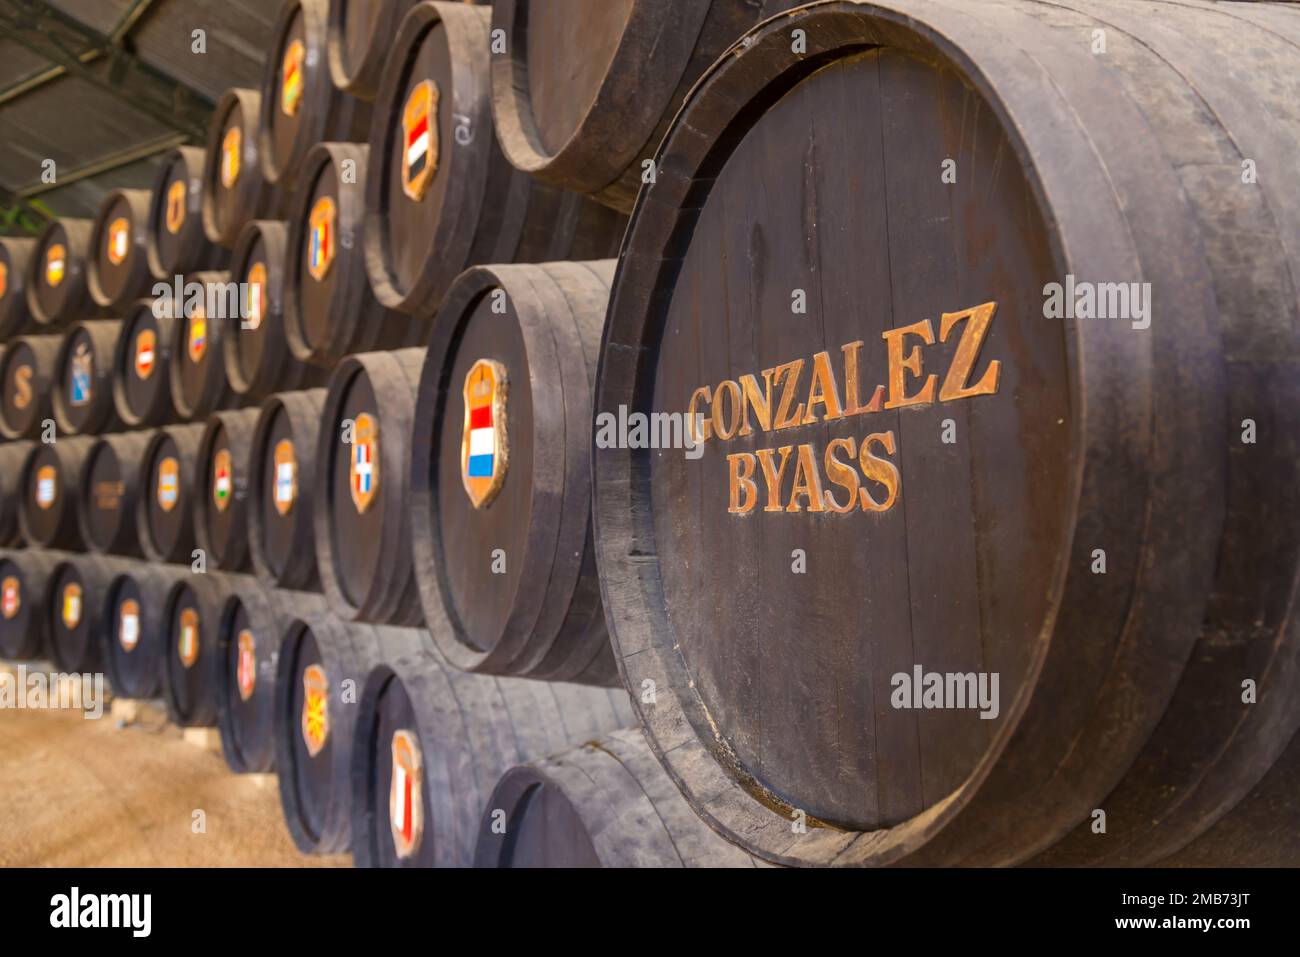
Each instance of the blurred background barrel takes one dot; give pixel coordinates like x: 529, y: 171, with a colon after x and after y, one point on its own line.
x: 431, y: 743
x: 501, y: 479
x: 281, y: 528
x: 12, y: 455
x: 109, y: 493
x: 360, y: 42
x: 51, y: 477
x: 235, y: 191
x: 221, y: 493
x: 15, y: 255
x: 27, y: 371
x: 198, y: 365
x: 142, y: 393
x: 191, y: 651
x: 177, y: 244
x: 137, y: 627
x: 26, y: 585
x: 57, y: 290
x: 79, y: 617
x: 164, y: 513
x: 83, y: 386
x: 118, y: 259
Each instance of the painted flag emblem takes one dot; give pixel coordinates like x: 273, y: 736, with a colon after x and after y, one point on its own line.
x: 420, y: 139
x: 145, y: 355
x: 119, y: 240
x: 188, y: 644
x: 291, y: 78
x: 55, y: 263
x: 128, y: 627
x: 4, y: 279
x: 47, y: 486
x: 320, y: 240
x: 246, y: 670
x: 230, y: 146
x: 10, y: 597
x: 365, y: 461
x: 484, y: 451
x: 315, y: 709
x: 175, y: 206
x: 79, y: 387
x: 405, y: 801
x: 222, y: 481
x: 255, y: 304
x: 286, y: 476
x: 169, y: 483
x: 71, y: 605
x: 198, y: 337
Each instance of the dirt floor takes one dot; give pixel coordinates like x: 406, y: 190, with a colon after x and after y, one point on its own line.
x: 77, y: 792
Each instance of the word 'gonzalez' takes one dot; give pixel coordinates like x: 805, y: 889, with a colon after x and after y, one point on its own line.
x: 786, y: 400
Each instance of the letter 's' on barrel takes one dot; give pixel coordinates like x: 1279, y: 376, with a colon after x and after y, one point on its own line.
x: 192, y: 614
x: 26, y: 585
x: 300, y: 105
x: 583, y: 106
x: 360, y: 41
x: 27, y: 371
x: 606, y: 804
x: 15, y: 254
x: 164, y: 513
x: 501, y: 473
x: 142, y: 391
x: 221, y: 494
x: 177, y: 244
x: 281, y: 530
x: 137, y: 628
x: 12, y: 455
x: 234, y: 189
x: 109, y: 493
x: 440, y: 195
x: 805, y: 280
x: 118, y: 260
x: 51, y: 477
x: 83, y: 387
x: 79, y: 617
x: 57, y: 290
x: 198, y: 365
x: 362, y: 501
x: 431, y: 742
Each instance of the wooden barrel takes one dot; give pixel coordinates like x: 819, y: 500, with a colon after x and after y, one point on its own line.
x: 12, y: 456
x: 57, y: 290
x: 118, y: 260
x: 136, y: 630
x: 442, y: 197
x: 252, y: 627
x: 329, y: 308
x: 362, y: 499
x: 26, y: 586
x: 168, y: 485
x: 221, y: 492
x: 360, y: 41
x: 142, y: 392
x: 431, y: 743
x: 584, y: 108
x: 15, y: 255
x: 608, y: 803
x: 300, y: 105
x: 1036, y: 494
x: 198, y: 372
x: 501, y: 490
x: 50, y: 478
x: 235, y: 191
x: 191, y: 662
x: 281, y: 530
x: 322, y: 662
x: 83, y: 386
x: 27, y: 373
x: 176, y: 244
x: 109, y: 493
x: 257, y: 356
x: 79, y: 618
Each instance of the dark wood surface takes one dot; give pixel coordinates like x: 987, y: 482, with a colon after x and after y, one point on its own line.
x: 12, y: 455
x: 78, y: 613
x: 93, y: 342
x: 25, y: 635
x: 179, y: 246
x: 222, y: 530
x: 15, y: 255
x: 200, y: 387
x: 167, y: 535
x: 227, y: 208
x: 144, y: 400
x: 359, y: 42
x: 114, y: 285
x: 55, y: 305
x: 27, y: 373
x: 140, y: 592
x: 190, y: 689
x: 53, y: 524
x: 109, y: 492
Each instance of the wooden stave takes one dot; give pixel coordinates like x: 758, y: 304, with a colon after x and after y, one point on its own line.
x: 78, y: 303
x: 36, y: 568
x: 161, y: 411
x: 187, y: 439
x: 144, y: 679
x: 102, y: 416
x: 15, y: 317
x: 129, y: 448
x: 95, y: 572
x: 70, y: 454
x: 12, y: 455
x: 215, y: 391
x: 197, y: 251
x: 139, y: 278
x: 482, y: 725
x: 362, y: 80
x: 209, y: 590
x: 45, y: 350
x: 257, y: 199
x: 561, y: 636
x: 238, y: 427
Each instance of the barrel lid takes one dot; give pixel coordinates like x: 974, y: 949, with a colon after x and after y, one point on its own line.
x: 189, y: 635
x: 221, y: 486
x: 258, y: 264
x: 14, y: 256
x: 79, y: 380
x: 103, y: 491
x: 174, y: 213
x: 355, y: 486
x: 319, y: 261
x: 247, y: 683
x: 291, y: 100
x: 118, y: 271
x: 546, y: 829
x: 15, y: 607
x: 141, y: 379
x: 21, y: 403
x: 281, y: 486
x: 132, y: 652
x: 400, y: 818
x: 231, y: 179
x: 70, y: 617
x: 56, y: 273
x: 308, y: 725
x: 46, y: 494
x: 198, y: 366
x: 165, y: 495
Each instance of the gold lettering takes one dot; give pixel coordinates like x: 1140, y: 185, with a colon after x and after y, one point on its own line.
x: 790, y: 372
x: 706, y: 427
x: 773, y: 476
x: 879, y: 470
x: 842, y: 475
x: 900, y: 364
x: 22, y: 387
x: 733, y: 391
x: 807, y: 482
x: 853, y: 407
x: 738, y: 463
x: 823, y: 391
x: 761, y: 404
x: 968, y: 350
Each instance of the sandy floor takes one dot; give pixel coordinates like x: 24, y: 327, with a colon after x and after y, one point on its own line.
x: 75, y: 792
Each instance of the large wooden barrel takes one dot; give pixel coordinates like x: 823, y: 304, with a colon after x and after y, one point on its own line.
x: 501, y: 480
x: 26, y: 585
x: 57, y: 290
x: 15, y: 255
x: 198, y: 367
x: 323, y: 661
x: 360, y: 41
x: 252, y: 626
x: 12, y: 456
x: 192, y: 613
x: 431, y: 743
x: 221, y: 492
x: 79, y: 619
x: 109, y: 493
x: 257, y: 356
x: 1034, y: 493
x: 168, y: 485
x: 27, y: 373
x: 83, y: 386
x: 608, y: 803
x: 300, y: 105
x: 235, y: 191
x: 329, y: 308
x: 441, y: 196
x: 118, y: 260
x: 176, y: 242
x: 142, y: 392
x: 362, y: 496
x: 584, y: 107
x: 137, y: 627
x: 281, y: 529
x: 50, y: 479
